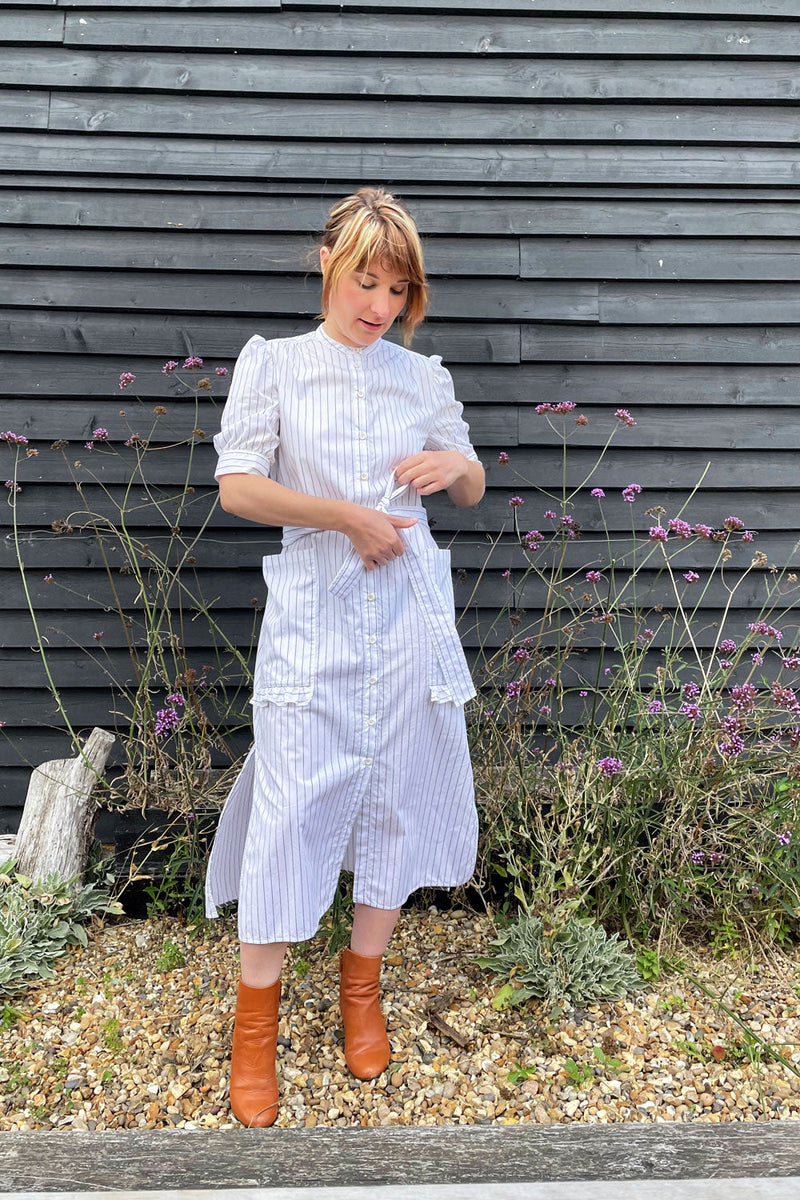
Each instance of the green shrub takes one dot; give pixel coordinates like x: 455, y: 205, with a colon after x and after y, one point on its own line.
x: 38, y: 921
x: 575, y: 963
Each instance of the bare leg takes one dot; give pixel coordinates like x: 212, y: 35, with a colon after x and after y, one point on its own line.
x: 372, y: 928
x: 261, y: 965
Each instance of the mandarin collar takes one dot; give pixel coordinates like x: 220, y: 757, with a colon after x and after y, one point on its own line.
x: 352, y: 352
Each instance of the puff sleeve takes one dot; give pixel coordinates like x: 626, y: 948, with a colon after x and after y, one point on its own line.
x: 248, y: 439
x: 448, y: 430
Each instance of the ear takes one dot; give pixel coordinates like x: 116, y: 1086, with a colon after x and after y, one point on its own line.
x: 324, y: 255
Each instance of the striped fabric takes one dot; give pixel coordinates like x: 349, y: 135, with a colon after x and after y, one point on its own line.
x: 360, y: 758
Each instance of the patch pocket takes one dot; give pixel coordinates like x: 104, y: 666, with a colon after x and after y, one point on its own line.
x: 288, y: 646
x: 448, y: 674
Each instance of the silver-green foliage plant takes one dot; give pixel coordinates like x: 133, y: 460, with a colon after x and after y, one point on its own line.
x: 574, y: 963
x: 39, y: 920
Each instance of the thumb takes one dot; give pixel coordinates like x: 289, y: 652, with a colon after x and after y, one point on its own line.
x: 402, y: 522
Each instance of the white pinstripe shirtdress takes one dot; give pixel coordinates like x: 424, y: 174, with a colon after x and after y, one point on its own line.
x: 360, y: 758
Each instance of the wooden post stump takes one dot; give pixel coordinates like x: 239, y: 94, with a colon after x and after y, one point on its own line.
x: 58, y: 819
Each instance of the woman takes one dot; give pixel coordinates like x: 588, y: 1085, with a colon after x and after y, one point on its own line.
x: 360, y: 759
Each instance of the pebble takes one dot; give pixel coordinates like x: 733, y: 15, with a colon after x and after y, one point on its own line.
x: 112, y: 1043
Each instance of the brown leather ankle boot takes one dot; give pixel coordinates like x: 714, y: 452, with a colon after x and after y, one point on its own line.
x: 366, y: 1046
x: 254, y: 1087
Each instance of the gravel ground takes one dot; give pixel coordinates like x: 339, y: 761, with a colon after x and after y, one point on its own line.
x: 128, y: 1036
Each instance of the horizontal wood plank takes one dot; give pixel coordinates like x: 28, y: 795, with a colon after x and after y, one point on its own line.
x: 84, y: 333
x: 188, y: 250
x: 187, y: 207
x: 741, y: 258
x: 379, y: 120
x: 434, y: 34
x: 22, y: 26
x: 66, y: 378
x: 478, y: 162
x: 531, y: 79
x: 659, y: 343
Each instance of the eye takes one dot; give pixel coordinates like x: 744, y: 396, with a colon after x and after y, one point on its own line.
x: 401, y: 291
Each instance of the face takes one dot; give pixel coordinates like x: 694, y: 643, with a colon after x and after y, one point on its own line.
x: 364, y: 304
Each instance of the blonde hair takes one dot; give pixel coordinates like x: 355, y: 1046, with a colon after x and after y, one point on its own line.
x: 372, y: 226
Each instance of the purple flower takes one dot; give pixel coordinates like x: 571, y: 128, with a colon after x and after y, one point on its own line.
x: 630, y: 492
x: 543, y: 408
x: 743, y: 697
x: 549, y: 683
x: 765, y: 630
x: 506, y: 573
x: 747, y: 536
x: 681, y: 529
x: 732, y: 748
x: 649, y: 633
x: 733, y: 524
x: 533, y: 539
x: 609, y: 767
x: 692, y: 711
x: 691, y: 689
x: 100, y: 434
x: 221, y: 370
x: 521, y: 655
x: 98, y: 636
x: 791, y: 662
x: 657, y: 533
x: 88, y: 445
x: 13, y: 487
x: 166, y: 720
x: 563, y: 406
x: 192, y: 361
x: 715, y: 857
x: 550, y: 515
x: 169, y: 367
x: 593, y: 576
x: 727, y: 646
x: 624, y: 416
x: 583, y: 695
x: 703, y: 531
x: 785, y: 837
x: 126, y: 379
x: 544, y: 710
x: 731, y: 724
x: 48, y: 578
x: 512, y: 689
x: 582, y: 420
x: 654, y: 707
x: 515, y: 501
x: 691, y: 576
x: 502, y: 457
x: 598, y: 493
x: 698, y: 856
x: 757, y: 658
x: 724, y: 663
x: 176, y: 698
x: 14, y: 439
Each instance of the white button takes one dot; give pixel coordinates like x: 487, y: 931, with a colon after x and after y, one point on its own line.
x: 359, y: 395
x: 372, y: 679
x: 367, y: 762
x: 372, y: 639
x: 364, y: 475
x: 362, y: 437
x: 371, y: 721
x: 370, y: 595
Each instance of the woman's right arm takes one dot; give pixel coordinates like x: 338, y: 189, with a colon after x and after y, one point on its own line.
x: 257, y: 498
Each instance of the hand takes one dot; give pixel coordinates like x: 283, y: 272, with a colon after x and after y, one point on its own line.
x: 375, y: 535
x: 431, y: 470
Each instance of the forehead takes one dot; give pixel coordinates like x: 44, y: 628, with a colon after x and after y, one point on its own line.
x: 383, y: 272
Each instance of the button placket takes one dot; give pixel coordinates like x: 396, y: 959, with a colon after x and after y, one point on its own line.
x: 370, y: 619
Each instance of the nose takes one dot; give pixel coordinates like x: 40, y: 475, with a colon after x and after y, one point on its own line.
x: 380, y: 304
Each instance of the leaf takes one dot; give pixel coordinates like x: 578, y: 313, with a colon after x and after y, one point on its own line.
x: 81, y: 934
x: 24, y: 881
x: 504, y: 997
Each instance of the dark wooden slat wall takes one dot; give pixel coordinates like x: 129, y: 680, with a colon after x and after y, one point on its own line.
x: 610, y: 202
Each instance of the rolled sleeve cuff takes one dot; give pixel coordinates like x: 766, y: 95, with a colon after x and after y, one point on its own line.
x: 242, y: 462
